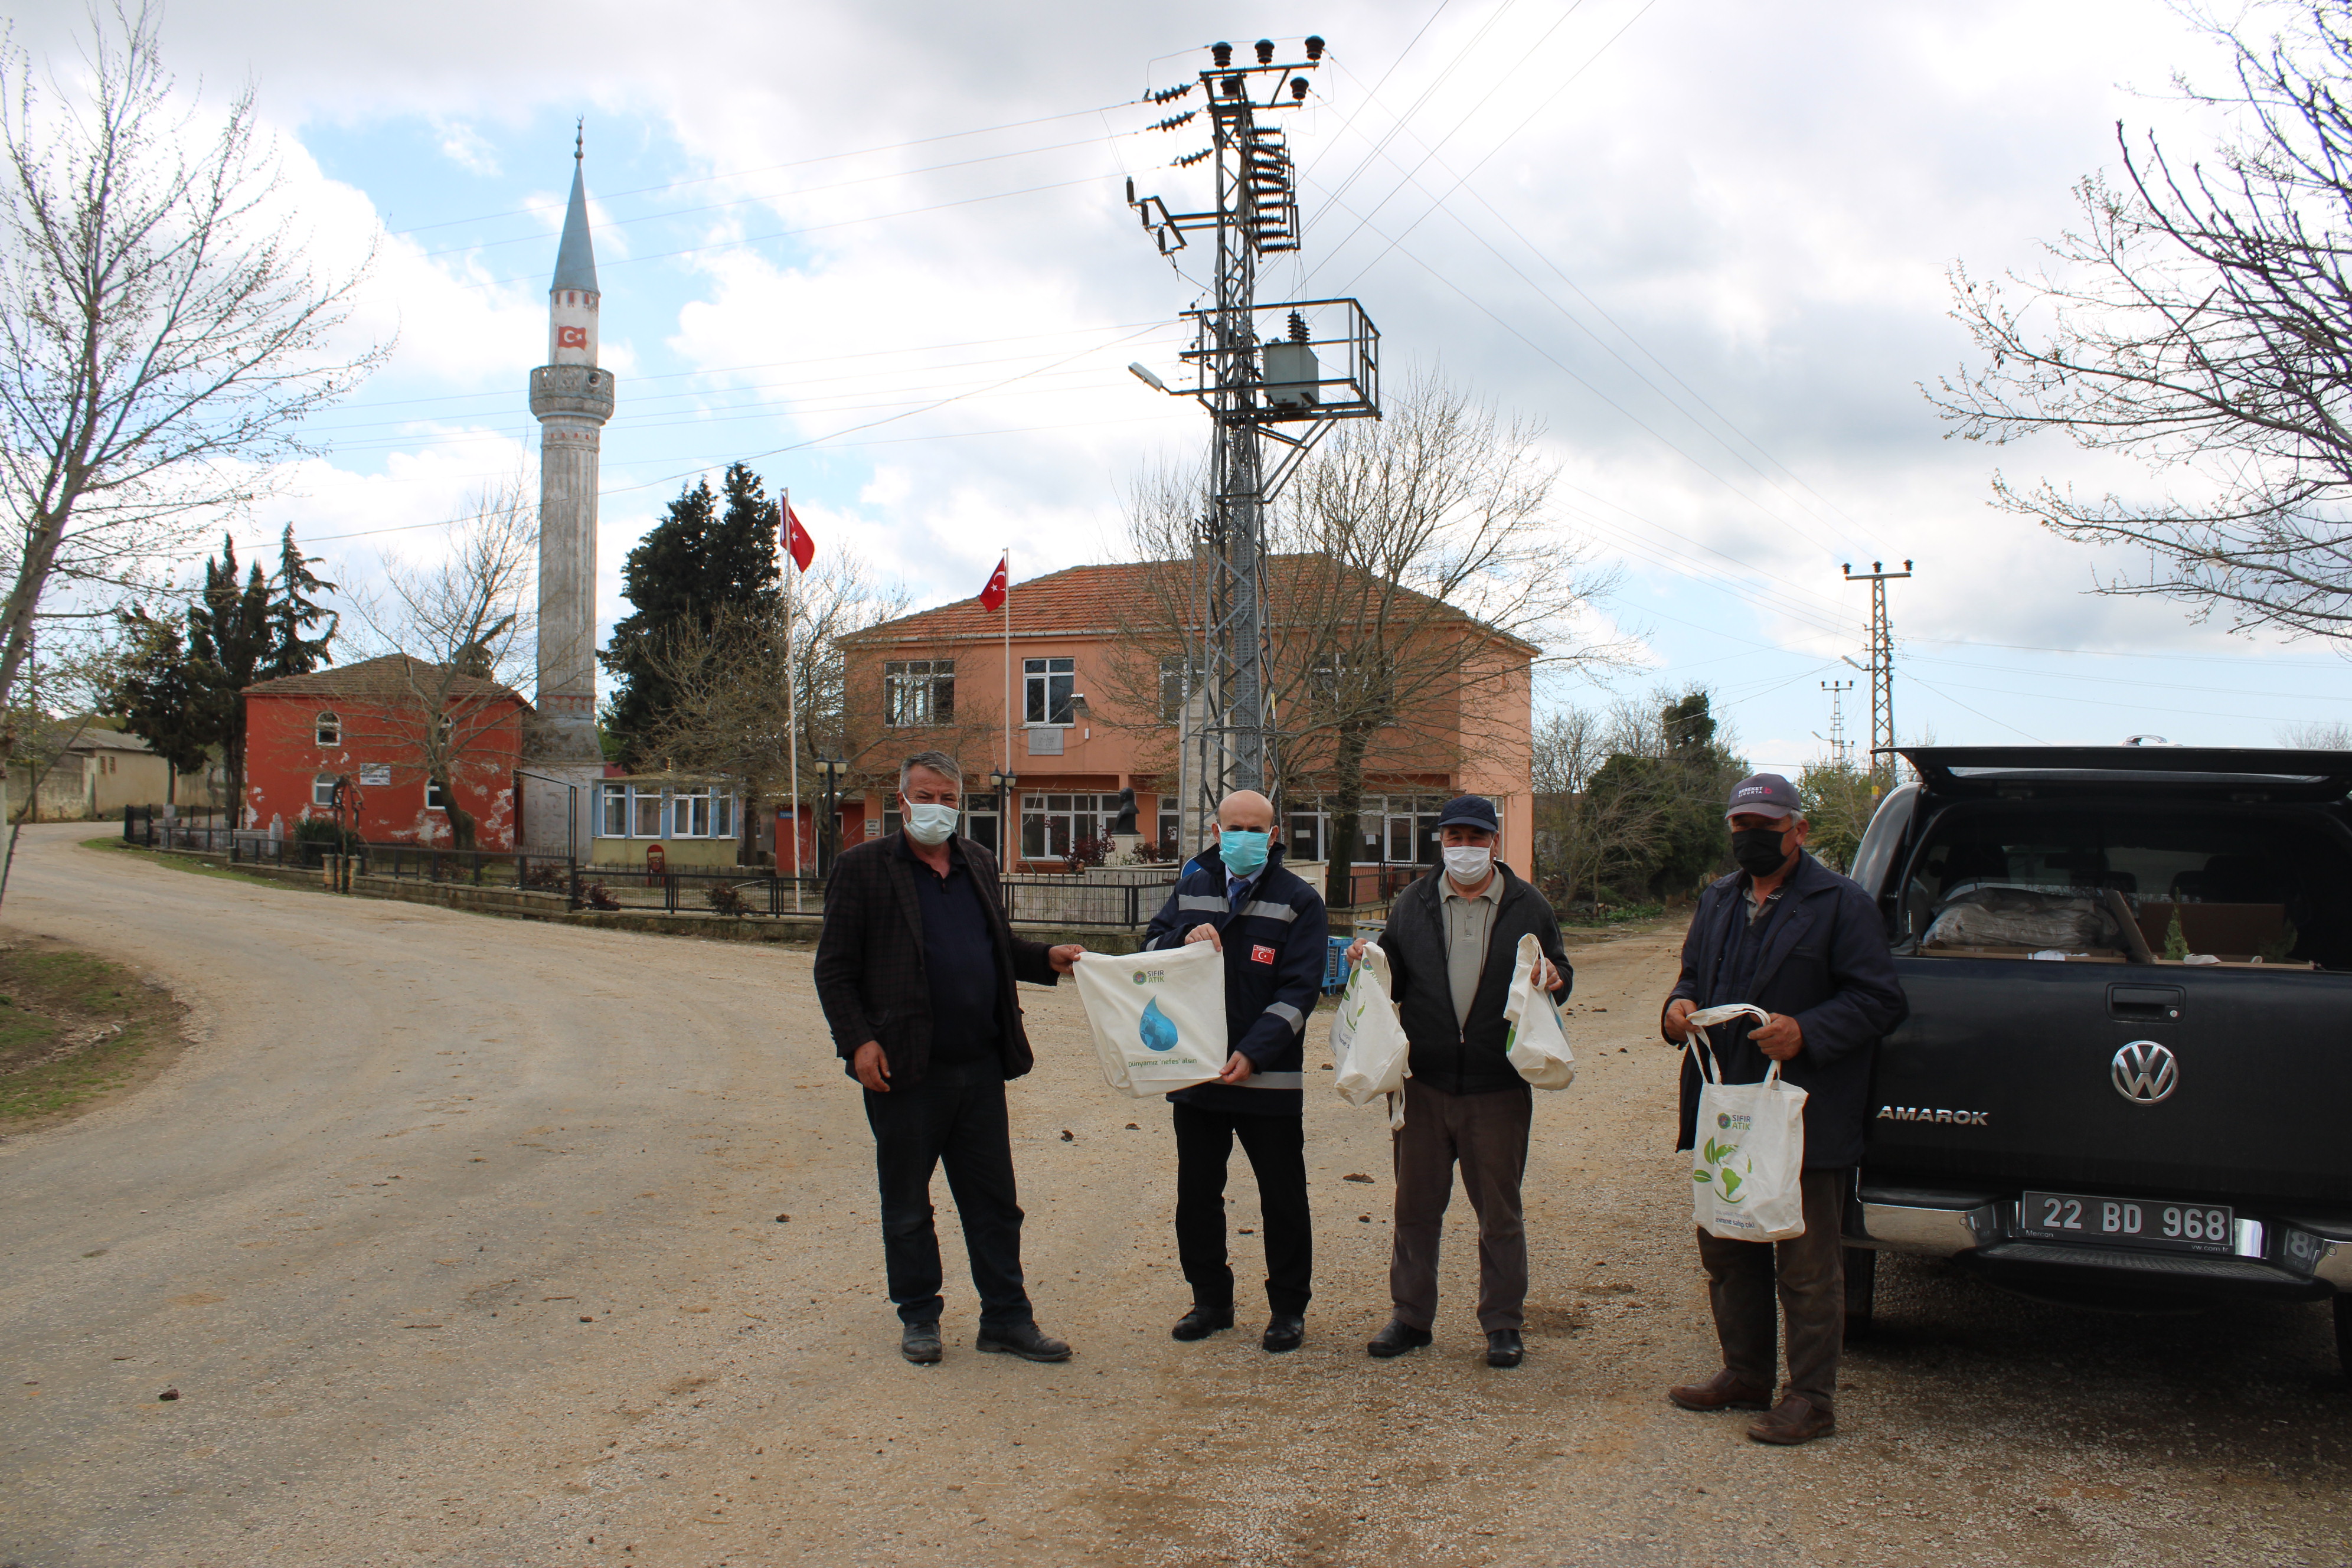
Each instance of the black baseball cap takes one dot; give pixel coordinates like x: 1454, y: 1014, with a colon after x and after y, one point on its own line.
x: 1470, y: 811
x: 1765, y: 795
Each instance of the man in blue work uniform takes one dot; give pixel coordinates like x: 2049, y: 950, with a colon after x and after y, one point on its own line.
x: 1271, y: 928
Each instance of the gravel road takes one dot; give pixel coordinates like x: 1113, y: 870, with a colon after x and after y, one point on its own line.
x: 458, y: 1239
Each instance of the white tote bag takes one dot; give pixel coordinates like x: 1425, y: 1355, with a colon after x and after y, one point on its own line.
x: 1748, y: 1145
x: 1367, y: 1043
x: 1158, y: 1019
x: 1537, y: 1043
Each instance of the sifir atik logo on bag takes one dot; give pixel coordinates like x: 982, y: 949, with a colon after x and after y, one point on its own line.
x: 1261, y: 953
x: 1149, y: 976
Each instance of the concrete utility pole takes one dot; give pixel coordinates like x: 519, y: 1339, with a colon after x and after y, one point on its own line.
x: 1881, y: 669
x: 1249, y: 381
x: 1841, y: 752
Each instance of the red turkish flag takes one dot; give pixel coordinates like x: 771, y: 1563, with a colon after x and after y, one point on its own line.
x: 992, y: 596
x: 797, y: 543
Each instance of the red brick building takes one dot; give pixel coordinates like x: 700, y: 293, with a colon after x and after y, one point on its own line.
x: 367, y: 722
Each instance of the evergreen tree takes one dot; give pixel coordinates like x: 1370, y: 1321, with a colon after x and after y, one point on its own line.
x: 294, y: 613
x: 162, y: 696
x: 1675, y: 777
x: 698, y: 562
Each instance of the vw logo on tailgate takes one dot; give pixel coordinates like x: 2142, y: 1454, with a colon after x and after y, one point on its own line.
x: 2145, y: 1072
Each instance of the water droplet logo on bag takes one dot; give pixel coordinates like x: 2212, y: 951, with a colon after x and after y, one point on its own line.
x: 1158, y: 1034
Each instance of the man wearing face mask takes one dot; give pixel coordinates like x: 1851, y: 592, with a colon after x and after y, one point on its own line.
x: 915, y: 969
x: 1451, y: 942
x: 1271, y: 928
x: 1791, y: 936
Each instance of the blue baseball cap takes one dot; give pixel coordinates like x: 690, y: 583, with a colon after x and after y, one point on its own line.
x: 1765, y: 795
x: 1470, y: 811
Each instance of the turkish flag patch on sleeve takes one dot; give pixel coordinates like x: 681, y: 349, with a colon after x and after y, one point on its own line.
x: 1261, y: 953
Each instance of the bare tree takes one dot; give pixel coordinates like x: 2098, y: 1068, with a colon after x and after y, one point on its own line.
x: 463, y: 631
x: 733, y: 684
x: 1410, y: 577
x: 1580, y: 831
x: 2317, y: 735
x: 2200, y: 318
x: 161, y: 338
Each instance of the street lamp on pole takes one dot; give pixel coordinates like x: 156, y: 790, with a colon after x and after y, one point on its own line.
x: 1007, y: 825
x: 830, y: 772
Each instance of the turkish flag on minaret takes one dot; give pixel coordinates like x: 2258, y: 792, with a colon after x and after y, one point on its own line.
x: 992, y: 596
x: 797, y: 543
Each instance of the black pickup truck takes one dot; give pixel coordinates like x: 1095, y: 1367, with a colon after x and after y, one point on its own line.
x: 2128, y: 1068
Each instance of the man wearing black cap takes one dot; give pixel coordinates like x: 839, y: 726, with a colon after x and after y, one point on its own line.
x: 1451, y: 942
x: 1791, y: 936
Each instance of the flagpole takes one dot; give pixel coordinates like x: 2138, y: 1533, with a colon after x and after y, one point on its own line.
x: 792, y: 692
x: 1004, y: 809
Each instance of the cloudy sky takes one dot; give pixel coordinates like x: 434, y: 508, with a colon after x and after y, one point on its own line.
x: 880, y: 251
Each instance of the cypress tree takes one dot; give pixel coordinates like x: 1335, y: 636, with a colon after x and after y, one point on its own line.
x: 294, y: 612
x: 699, y: 560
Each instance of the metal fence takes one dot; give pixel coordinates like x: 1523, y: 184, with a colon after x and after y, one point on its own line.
x: 1079, y: 902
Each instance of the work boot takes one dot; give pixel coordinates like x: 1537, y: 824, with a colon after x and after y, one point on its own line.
x: 919, y: 1343
x: 1795, y: 1419
x: 1396, y: 1339
x: 1284, y: 1331
x: 1199, y: 1322
x: 1024, y: 1339
x: 1504, y: 1348
x: 1725, y: 1390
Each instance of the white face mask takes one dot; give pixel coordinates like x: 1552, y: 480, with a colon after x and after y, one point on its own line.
x: 1468, y: 864
x: 929, y: 823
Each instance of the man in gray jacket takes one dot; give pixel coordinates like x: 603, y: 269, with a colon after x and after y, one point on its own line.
x: 1452, y: 944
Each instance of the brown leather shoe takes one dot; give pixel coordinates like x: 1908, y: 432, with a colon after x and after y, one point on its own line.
x: 1724, y: 1391
x: 1794, y: 1420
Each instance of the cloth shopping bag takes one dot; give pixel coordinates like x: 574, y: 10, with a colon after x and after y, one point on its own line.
x: 1368, y: 1044
x: 1748, y: 1145
x: 1537, y: 1043
x: 1158, y: 1019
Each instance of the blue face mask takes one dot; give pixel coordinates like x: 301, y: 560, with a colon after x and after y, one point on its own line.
x: 1243, y: 852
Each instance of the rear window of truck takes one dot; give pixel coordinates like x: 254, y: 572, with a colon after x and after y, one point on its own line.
x: 2198, y: 884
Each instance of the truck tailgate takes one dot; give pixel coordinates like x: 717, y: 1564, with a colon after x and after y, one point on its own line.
x: 2117, y: 1077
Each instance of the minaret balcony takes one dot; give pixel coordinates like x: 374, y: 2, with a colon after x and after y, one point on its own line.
x: 584, y: 390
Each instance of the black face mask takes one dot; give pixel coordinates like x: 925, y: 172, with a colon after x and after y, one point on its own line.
x: 1757, y: 850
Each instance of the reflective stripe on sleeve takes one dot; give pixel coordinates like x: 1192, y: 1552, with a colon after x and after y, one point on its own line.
x: 1289, y: 1015
x: 1272, y: 1080
x: 1200, y: 902
x: 1269, y: 911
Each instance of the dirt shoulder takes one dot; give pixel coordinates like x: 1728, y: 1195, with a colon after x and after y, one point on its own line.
x: 76, y: 1029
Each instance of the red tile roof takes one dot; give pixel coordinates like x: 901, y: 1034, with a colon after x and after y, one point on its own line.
x: 1110, y: 600
x: 394, y: 674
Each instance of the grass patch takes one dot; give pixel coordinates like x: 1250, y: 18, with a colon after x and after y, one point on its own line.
x: 1612, y: 915
x: 73, y: 1027
x: 180, y: 862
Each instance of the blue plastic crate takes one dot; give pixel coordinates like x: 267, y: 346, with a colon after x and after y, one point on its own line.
x: 1336, y: 965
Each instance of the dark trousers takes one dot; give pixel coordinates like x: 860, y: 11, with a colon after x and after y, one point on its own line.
x: 1487, y: 1134
x: 955, y: 1116
x: 1276, y: 1147
x: 1809, y: 1275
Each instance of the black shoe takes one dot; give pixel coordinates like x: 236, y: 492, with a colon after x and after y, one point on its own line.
x: 919, y: 1343
x: 1201, y: 1322
x: 1284, y: 1331
x: 1397, y: 1339
x: 1024, y: 1339
x: 1504, y: 1347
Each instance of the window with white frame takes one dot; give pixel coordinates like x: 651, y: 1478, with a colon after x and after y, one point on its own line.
x: 434, y: 799
x: 918, y: 691
x: 330, y: 729
x: 1052, y: 824
x: 616, y: 812
x: 1048, y: 685
x: 323, y: 790
x: 1179, y: 677
x: 682, y: 811
x: 644, y: 811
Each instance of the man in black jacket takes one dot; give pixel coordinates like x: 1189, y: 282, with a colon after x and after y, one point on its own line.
x: 1791, y: 936
x: 1273, y: 932
x: 915, y: 969
x: 1451, y: 943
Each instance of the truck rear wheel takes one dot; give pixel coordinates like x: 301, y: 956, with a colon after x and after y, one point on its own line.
x: 1862, y: 1290
x: 2344, y: 1332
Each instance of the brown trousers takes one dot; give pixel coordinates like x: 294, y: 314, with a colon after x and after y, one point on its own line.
x: 1809, y: 1274
x: 1487, y: 1133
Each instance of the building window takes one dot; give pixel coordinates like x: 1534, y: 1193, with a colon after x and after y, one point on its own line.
x: 918, y: 692
x: 644, y: 812
x: 1052, y: 824
x: 689, y: 814
x: 616, y: 812
x: 435, y: 800
x: 1173, y: 670
x: 690, y: 811
x: 1048, y: 685
x: 330, y: 729
x: 323, y: 790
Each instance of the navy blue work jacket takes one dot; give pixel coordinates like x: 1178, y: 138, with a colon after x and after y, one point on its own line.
x: 1276, y: 946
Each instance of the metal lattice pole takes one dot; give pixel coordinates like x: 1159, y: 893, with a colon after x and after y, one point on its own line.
x: 1881, y: 669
